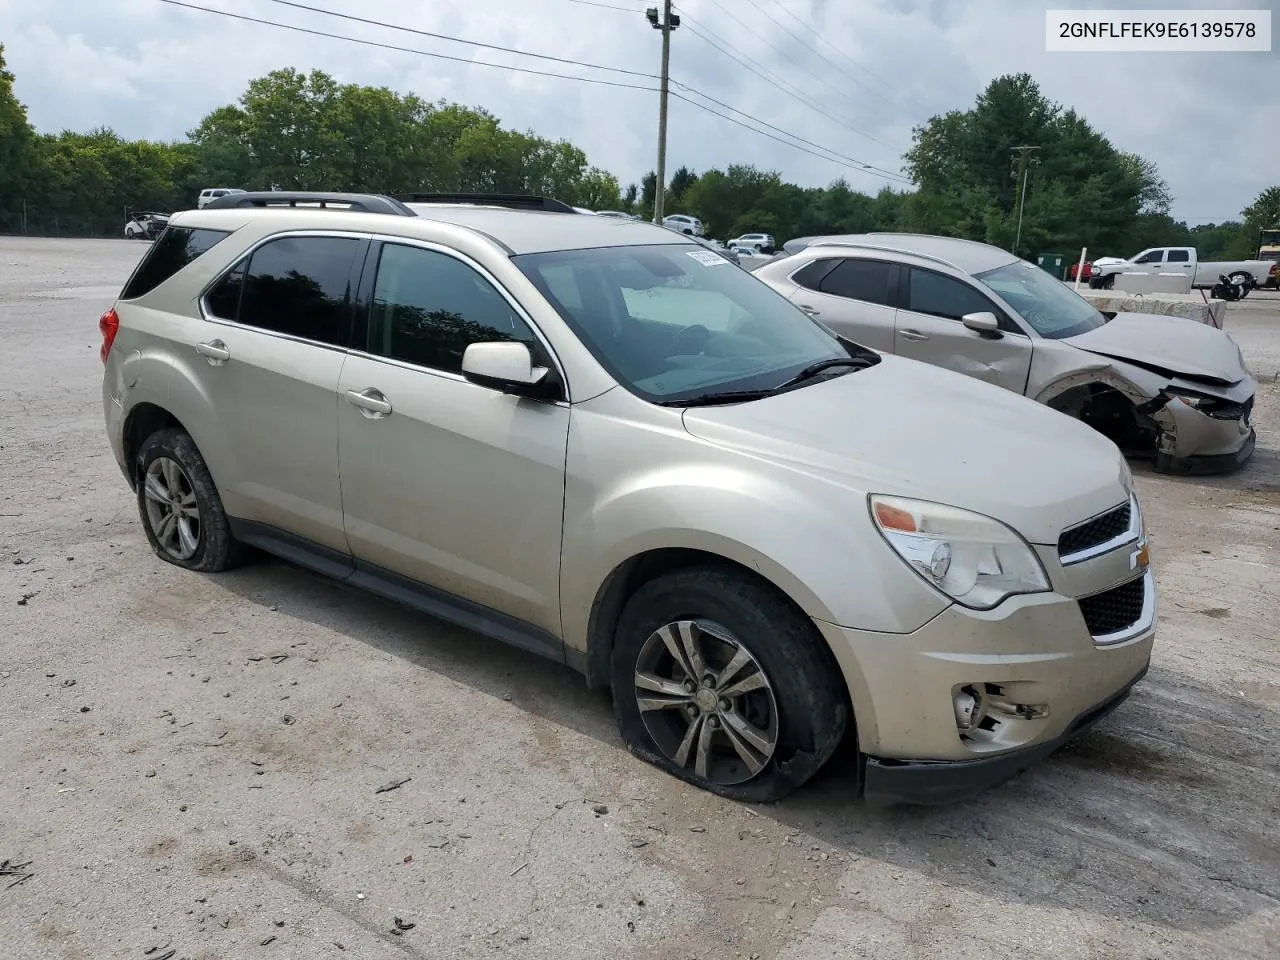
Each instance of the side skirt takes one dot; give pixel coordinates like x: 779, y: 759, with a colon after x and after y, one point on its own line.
x: 410, y: 593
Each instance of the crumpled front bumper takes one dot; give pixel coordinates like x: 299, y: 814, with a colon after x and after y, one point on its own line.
x: 1200, y: 442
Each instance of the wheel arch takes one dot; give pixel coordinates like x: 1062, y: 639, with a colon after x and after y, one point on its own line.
x: 142, y: 421
x: 1116, y: 408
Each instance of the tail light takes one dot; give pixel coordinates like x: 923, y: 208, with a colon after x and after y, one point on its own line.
x: 109, y: 324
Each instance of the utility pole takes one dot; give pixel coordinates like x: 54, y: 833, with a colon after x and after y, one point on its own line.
x: 1023, y: 169
x: 668, y: 23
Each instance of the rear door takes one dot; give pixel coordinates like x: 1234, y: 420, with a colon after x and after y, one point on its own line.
x: 851, y: 295
x: 928, y: 328
x: 270, y: 354
x: 1178, y: 261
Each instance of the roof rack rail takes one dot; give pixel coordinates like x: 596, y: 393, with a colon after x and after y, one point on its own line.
x: 355, y: 202
x: 514, y: 201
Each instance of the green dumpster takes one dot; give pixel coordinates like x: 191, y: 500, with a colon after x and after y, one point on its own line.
x: 1054, y: 263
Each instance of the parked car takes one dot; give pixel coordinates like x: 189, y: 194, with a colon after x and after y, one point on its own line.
x: 759, y: 242
x: 691, y: 226
x: 213, y: 193
x: 145, y: 225
x: 601, y: 446
x: 1185, y: 261
x: 1165, y: 388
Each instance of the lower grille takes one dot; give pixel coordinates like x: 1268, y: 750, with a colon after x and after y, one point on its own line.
x: 1116, y: 609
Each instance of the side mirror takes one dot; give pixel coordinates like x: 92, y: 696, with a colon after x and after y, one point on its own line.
x: 507, y: 366
x: 984, y: 323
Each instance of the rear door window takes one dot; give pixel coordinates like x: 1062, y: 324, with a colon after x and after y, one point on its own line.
x: 299, y: 286
x: 1179, y: 256
x: 865, y: 280
x: 173, y: 249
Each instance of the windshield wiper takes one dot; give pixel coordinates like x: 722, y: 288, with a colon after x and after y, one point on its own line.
x: 723, y: 396
x: 813, y: 369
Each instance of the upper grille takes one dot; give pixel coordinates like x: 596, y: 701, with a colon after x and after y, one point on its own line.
x: 1116, y: 609
x: 1099, y: 530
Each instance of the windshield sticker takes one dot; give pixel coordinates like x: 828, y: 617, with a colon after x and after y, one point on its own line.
x: 707, y: 258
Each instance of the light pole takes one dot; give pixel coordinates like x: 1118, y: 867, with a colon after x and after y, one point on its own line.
x: 668, y: 23
x: 1024, y: 168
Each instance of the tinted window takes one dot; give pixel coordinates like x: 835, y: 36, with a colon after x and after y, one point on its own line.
x: 223, y: 301
x: 945, y: 297
x: 300, y: 286
x: 1179, y: 256
x: 174, y: 249
x: 860, y: 280
x: 811, y: 276
x: 429, y: 307
x: 1153, y: 256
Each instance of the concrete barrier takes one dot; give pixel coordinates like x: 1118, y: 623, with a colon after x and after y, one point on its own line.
x: 1190, y: 305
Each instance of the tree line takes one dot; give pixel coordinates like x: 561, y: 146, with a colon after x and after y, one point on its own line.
x: 306, y: 131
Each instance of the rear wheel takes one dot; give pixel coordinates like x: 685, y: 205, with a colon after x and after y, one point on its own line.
x: 718, y: 680
x: 179, y: 505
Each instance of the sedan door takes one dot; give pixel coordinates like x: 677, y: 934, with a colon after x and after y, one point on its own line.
x: 929, y: 328
x: 455, y: 487
x: 852, y: 296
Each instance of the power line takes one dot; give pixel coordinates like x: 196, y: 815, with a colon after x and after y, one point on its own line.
x: 799, y: 64
x: 817, y: 33
x: 470, y: 43
x: 724, y: 116
x: 860, y: 164
x: 399, y: 49
x: 767, y: 74
x: 862, y: 167
x: 606, y: 6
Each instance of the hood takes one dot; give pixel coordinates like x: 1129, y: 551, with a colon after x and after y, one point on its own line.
x: 906, y: 428
x: 1173, y: 345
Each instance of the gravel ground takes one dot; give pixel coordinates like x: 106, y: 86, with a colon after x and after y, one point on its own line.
x: 190, y: 763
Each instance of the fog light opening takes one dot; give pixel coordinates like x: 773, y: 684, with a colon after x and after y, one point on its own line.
x: 971, y: 705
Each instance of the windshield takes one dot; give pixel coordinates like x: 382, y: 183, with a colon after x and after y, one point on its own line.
x: 673, y: 322
x: 1048, y: 305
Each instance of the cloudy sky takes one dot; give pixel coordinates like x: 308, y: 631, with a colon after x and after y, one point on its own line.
x: 851, y: 76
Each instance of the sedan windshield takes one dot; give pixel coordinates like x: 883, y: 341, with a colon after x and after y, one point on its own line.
x: 675, y: 322
x: 1053, y: 310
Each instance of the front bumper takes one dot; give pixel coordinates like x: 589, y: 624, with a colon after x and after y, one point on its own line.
x: 1199, y: 443
x: 948, y: 781
x: 1034, y: 659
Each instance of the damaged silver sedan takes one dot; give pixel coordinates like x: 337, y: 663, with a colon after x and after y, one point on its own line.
x: 1167, y: 389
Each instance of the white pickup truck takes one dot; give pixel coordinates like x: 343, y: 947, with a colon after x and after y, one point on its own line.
x: 1183, y: 260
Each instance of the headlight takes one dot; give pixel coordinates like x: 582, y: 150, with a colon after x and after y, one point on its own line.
x: 975, y: 560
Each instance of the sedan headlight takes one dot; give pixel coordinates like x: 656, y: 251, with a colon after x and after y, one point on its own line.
x: 975, y: 560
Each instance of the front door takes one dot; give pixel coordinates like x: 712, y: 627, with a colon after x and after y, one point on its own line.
x: 929, y: 329
x: 450, y: 484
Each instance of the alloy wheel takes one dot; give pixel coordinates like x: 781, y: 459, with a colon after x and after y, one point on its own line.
x: 706, y: 701
x: 172, y: 510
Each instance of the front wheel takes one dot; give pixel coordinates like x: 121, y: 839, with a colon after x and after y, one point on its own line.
x: 720, y: 681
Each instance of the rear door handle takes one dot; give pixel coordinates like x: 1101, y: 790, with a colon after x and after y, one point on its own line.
x: 215, y: 351
x: 371, y: 403
x: 912, y: 335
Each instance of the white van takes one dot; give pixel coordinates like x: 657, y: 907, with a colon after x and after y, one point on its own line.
x: 213, y: 193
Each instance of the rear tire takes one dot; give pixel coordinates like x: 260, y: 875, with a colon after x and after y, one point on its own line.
x: 179, y: 505
x: 754, y: 712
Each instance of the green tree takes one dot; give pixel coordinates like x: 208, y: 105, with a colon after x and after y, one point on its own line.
x: 17, y: 152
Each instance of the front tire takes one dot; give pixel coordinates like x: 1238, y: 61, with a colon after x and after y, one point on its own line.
x: 719, y: 680
x: 179, y: 505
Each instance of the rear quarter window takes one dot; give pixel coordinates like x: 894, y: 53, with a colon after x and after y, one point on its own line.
x: 174, y: 249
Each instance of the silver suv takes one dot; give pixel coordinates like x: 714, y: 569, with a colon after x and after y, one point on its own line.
x: 1166, y: 389
x: 598, y: 441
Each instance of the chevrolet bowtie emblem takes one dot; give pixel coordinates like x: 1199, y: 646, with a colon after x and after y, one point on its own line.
x: 1140, y: 559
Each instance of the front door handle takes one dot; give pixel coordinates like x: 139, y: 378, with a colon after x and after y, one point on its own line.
x: 912, y: 335
x: 809, y: 310
x: 372, y: 403
x: 215, y: 351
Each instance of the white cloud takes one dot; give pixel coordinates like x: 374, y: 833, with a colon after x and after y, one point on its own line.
x: 150, y: 69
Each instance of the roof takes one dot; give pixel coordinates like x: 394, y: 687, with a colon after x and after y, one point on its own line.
x: 538, y: 232
x: 969, y: 256
x: 518, y: 230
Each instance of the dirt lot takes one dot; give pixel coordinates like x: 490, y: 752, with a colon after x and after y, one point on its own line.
x: 190, y: 763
